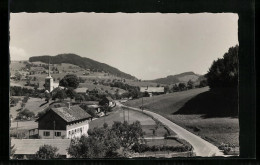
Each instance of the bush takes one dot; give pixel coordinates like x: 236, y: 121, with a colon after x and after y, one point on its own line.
x: 144, y: 147
x: 224, y: 72
x: 25, y: 114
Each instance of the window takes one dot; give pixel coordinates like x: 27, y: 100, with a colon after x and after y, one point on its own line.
x: 69, y: 132
x: 57, y: 133
x: 81, y: 130
x: 46, y: 133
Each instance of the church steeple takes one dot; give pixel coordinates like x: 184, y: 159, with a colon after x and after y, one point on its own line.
x: 49, y: 74
x: 49, y: 80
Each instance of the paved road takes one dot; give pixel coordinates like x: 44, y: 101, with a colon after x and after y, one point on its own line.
x: 201, y: 146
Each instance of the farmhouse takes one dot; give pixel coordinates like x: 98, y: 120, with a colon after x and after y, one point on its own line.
x: 107, y: 101
x: 63, y: 122
x: 152, y: 90
x: 27, y: 148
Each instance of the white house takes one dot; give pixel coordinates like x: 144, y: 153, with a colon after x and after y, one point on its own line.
x: 63, y: 122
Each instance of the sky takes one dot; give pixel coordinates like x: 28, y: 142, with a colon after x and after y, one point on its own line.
x: 145, y: 45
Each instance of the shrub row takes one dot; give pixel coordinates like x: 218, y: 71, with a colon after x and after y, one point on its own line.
x: 144, y: 147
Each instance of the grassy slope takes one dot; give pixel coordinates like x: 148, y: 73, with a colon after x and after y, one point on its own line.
x: 117, y: 115
x: 214, y: 129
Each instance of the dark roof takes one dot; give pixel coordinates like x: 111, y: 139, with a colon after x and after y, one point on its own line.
x: 109, y: 98
x: 73, y: 114
x: 31, y: 146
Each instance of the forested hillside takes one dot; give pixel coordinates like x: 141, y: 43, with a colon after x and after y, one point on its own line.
x: 82, y: 62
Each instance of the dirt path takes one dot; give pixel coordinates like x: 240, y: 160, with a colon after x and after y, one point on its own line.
x: 201, y: 146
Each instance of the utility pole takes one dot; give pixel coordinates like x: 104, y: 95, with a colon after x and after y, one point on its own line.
x: 124, y: 113
x: 128, y: 115
x: 142, y: 103
x: 53, y: 128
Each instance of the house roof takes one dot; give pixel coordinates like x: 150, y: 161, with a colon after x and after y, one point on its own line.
x: 73, y: 114
x: 31, y: 146
x: 152, y: 89
x: 81, y: 90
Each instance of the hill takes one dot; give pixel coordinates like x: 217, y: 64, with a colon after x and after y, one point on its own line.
x: 211, y: 114
x: 183, y: 77
x: 82, y: 62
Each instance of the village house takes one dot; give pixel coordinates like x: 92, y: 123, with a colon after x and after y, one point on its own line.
x: 107, y: 101
x: 63, y: 122
x: 152, y: 90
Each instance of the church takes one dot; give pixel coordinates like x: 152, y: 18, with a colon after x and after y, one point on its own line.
x: 49, y: 84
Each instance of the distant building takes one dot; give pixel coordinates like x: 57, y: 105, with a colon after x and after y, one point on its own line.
x: 107, y: 100
x: 27, y: 148
x: 96, y: 107
x: 81, y: 90
x: 63, y: 122
x: 152, y: 90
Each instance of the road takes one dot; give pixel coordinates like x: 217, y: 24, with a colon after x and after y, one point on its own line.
x: 201, y: 146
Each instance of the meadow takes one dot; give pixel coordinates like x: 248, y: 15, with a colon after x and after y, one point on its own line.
x: 178, y: 107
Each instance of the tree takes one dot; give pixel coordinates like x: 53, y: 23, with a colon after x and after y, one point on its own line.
x: 129, y: 134
x: 70, y: 93
x: 101, y: 143
x: 79, y: 97
x: 70, y: 80
x: 224, y: 71
x: 166, y: 89
x: 18, y: 76
x: 203, y: 83
x: 175, y: 88
x: 190, y: 84
x: 36, y: 86
x: 182, y: 86
x: 47, y: 152
x: 25, y: 114
x: 60, y: 94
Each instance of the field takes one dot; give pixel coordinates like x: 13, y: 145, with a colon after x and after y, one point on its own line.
x: 208, y: 118
x: 33, y: 104
x: 148, y: 124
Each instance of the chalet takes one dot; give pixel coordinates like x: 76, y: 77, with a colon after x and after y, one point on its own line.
x: 63, y: 122
x: 27, y: 148
x: 107, y: 101
x: 152, y: 90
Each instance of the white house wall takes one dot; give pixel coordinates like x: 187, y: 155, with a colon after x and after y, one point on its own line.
x: 41, y: 134
x: 74, y: 130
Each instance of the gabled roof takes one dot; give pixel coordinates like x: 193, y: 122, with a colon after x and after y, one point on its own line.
x: 73, y: 114
x: 152, y: 89
x: 31, y: 146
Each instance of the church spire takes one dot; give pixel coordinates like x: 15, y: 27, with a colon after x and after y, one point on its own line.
x: 49, y: 68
